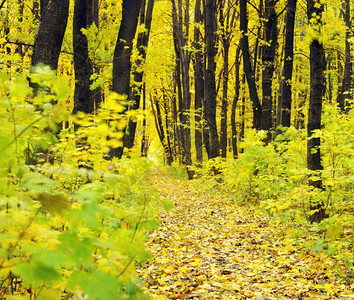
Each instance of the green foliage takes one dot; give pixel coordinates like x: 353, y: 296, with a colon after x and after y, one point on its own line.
x: 275, y: 177
x: 71, y: 220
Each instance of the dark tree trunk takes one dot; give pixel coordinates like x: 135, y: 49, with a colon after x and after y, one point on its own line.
x: 155, y: 106
x: 50, y: 34
x: 346, y: 89
x: 226, y: 24
x: 180, y: 32
x: 93, y: 18
x: 256, y: 105
x: 122, y: 54
x: 285, y: 97
x: 317, y: 92
x: 142, y: 43
x: 268, y: 54
x: 144, y: 140
x: 123, y: 49
x: 43, y: 7
x: 82, y: 62
x: 234, y: 102
x: 198, y: 84
x: 213, y: 148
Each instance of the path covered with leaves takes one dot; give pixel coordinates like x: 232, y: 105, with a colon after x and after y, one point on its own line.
x: 209, y: 248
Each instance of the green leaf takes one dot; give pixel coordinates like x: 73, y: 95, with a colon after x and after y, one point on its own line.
x: 97, y: 285
x: 331, y: 251
x: 36, y: 273
x: 78, y: 250
x: 167, y: 205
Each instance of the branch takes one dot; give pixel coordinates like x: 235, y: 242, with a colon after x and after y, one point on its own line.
x: 137, y: 224
x: 30, y: 45
x: 126, y: 267
x: 22, y: 132
x: 260, y: 13
x: 2, y: 3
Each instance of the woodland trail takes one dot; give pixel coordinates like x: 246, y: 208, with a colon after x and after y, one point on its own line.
x: 209, y: 248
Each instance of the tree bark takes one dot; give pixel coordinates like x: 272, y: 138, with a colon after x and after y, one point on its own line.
x: 50, y: 34
x: 180, y: 32
x: 226, y: 23
x: 268, y: 55
x: 317, y: 92
x: 213, y: 148
x: 123, y: 49
x: 93, y: 18
x: 285, y: 97
x: 346, y: 89
x: 43, y: 7
x: 234, y: 102
x: 155, y: 106
x: 256, y: 105
x: 198, y: 84
x: 142, y: 44
x: 82, y: 62
x: 122, y: 54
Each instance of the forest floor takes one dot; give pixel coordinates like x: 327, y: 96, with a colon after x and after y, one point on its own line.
x: 209, y: 248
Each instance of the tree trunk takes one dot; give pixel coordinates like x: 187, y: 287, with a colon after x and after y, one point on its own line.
x: 93, y: 18
x: 50, y: 34
x: 122, y: 54
x: 198, y: 84
x: 160, y: 129
x: 346, y: 89
x: 181, y: 29
x: 234, y: 102
x: 82, y: 62
x: 144, y: 140
x: 226, y: 23
x: 123, y: 49
x: 43, y: 7
x: 317, y: 92
x: 213, y: 148
x: 142, y: 43
x: 256, y: 105
x: 285, y: 97
x: 268, y: 54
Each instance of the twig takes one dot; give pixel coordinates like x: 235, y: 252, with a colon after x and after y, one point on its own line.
x: 22, y: 132
x: 2, y: 4
x: 126, y: 267
x: 138, y: 223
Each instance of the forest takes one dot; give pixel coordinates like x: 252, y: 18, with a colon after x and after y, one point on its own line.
x: 176, y: 149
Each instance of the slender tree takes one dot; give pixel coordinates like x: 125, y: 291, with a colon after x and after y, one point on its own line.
x: 212, y: 140
x: 346, y: 89
x: 234, y: 102
x: 249, y: 72
x: 142, y: 44
x: 270, y: 35
x: 122, y: 54
x: 82, y: 62
x: 285, y: 96
x: 180, y: 32
x: 317, y: 92
x: 198, y: 82
x: 227, y: 19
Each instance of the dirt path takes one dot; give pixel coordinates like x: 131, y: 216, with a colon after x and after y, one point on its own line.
x: 207, y: 248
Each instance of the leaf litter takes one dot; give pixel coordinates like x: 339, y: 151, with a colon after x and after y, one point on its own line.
x: 209, y: 248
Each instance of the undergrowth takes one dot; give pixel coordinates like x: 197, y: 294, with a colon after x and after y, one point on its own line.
x: 71, y: 221
x: 273, y: 179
